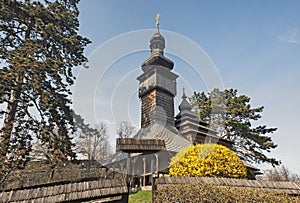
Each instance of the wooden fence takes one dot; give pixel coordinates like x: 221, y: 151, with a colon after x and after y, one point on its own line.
x: 71, y: 192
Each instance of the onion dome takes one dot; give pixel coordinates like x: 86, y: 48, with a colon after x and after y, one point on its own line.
x: 157, y: 45
x: 185, y: 105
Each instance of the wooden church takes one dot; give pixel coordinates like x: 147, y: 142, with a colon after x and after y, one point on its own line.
x: 162, y: 134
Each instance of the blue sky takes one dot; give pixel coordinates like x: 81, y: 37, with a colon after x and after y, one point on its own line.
x: 255, y: 46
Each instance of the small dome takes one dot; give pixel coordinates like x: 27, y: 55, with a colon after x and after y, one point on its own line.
x: 157, y: 43
x: 185, y: 105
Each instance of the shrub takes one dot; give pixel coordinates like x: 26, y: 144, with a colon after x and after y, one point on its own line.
x: 207, y: 193
x: 210, y: 160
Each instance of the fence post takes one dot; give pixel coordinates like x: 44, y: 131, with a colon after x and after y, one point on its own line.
x: 154, y: 172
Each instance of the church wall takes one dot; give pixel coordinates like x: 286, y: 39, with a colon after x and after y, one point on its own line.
x: 157, y: 105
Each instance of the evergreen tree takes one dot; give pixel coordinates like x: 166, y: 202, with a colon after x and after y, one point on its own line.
x: 232, y: 116
x: 39, y: 46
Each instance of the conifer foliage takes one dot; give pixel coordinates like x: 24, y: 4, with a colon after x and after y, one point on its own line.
x: 39, y: 46
x: 210, y: 160
x: 232, y: 116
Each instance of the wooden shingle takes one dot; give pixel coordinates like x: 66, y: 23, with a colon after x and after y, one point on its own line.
x: 67, y: 192
x: 140, y: 145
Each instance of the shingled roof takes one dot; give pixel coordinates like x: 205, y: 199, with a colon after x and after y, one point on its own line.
x: 173, y: 140
x: 140, y: 145
x: 67, y: 192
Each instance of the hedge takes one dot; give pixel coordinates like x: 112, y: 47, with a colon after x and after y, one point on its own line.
x: 208, y: 193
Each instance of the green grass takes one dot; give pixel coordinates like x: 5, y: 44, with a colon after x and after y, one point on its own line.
x: 142, y: 196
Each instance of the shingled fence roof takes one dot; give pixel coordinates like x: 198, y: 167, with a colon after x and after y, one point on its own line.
x: 290, y: 188
x: 71, y: 192
x: 140, y: 145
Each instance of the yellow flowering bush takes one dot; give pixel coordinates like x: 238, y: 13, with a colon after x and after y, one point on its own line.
x: 211, y: 160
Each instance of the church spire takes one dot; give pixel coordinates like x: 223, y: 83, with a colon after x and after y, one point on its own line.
x: 185, y: 105
x: 157, y: 42
x: 157, y: 84
x: 157, y: 46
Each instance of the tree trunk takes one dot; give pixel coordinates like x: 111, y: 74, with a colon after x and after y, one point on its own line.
x: 11, y: 110
x: 51, y: 175
x: 227, y: 134
x: 9, y: 120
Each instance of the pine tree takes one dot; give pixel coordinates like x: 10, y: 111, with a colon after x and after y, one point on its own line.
x: 232, y: 116
x: 39, y: 46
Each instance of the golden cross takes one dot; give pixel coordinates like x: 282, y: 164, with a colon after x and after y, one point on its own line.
x: 157, y: 18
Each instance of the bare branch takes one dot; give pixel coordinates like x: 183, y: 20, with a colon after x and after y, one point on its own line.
x: 125, y: 129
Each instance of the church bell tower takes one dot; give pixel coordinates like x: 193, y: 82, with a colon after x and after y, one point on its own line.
x: 157, y: 84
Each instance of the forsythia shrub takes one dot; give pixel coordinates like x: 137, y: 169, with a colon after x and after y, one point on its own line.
x: 211, y: 160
